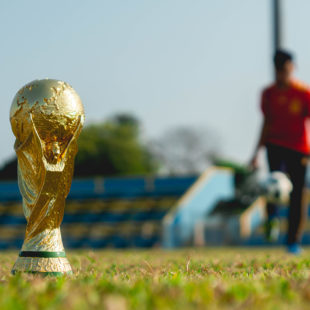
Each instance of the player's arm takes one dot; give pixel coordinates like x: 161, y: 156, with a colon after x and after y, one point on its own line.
x: 260, y: 143
x: 307, y: 101
x: 263, y: 131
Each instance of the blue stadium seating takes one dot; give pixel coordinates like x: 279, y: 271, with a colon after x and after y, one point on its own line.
x: 109, y: 212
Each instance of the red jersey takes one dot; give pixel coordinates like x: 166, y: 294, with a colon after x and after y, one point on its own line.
x: 286, y: 111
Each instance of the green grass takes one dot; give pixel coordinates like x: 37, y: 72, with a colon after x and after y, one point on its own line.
x: 184, y: 279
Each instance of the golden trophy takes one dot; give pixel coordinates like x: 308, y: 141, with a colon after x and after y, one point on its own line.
x: 46, y: 118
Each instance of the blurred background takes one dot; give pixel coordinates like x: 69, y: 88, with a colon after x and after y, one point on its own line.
x: 170, y: 89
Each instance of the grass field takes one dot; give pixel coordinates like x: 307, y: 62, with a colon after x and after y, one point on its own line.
x: 184, y: 279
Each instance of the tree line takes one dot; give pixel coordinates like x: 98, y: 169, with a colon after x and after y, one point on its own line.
x: 116, y: 147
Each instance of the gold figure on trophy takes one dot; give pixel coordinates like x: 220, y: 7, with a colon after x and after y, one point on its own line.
x: 46, y: 118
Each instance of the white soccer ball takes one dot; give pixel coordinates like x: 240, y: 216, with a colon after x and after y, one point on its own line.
x: 277, y: 188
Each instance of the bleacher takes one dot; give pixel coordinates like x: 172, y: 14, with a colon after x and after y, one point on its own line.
x: 102, y: 212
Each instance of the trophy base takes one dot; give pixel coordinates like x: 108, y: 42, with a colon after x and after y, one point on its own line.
x: 43, y: 263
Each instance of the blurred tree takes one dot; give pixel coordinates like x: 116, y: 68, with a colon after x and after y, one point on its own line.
x: 185, y: 150
x: 9, y: 170
x: 113, y: 147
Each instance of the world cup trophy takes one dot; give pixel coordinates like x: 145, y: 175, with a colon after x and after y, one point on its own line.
x: 46, y: 118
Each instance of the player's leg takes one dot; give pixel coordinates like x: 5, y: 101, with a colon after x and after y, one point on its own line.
x: 298, y: 202
x: 276, y: 162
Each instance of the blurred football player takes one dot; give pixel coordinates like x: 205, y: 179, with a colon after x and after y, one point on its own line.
x: 286, y: 109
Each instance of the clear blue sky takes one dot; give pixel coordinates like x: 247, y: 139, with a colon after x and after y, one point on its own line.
x: 169, y: 62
